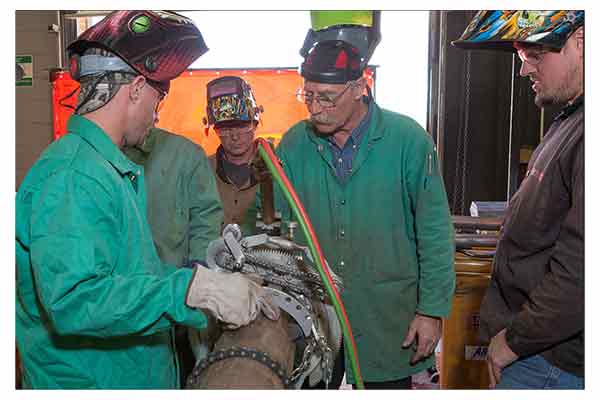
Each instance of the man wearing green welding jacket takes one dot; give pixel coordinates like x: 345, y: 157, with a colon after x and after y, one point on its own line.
x: 95, y: 306
x: 369, y: 181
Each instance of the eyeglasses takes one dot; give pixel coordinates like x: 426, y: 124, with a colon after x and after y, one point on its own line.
x: 160, y: 104
x: 163, y: 89
x: 323, y: 101
x: 232, y: 131
x: 532, y: 56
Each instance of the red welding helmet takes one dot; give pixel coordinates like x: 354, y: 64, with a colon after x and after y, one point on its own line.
x: 159, y: 45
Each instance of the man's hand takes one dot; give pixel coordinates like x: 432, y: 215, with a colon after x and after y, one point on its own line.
x: 233, y: 299
x: 426, y: 331
x: 499, y: 356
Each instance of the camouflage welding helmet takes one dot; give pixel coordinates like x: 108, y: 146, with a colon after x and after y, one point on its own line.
x: 499, y: 29
x: 230, y: 99
x: 159, y: 45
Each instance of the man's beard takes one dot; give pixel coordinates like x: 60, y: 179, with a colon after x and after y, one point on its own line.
x: 555, y: 98
x: 565, y: 92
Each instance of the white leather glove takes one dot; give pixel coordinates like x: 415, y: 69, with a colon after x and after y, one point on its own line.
x: 231, y: 298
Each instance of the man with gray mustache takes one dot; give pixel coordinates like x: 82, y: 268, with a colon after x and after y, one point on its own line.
x: 370, y: 183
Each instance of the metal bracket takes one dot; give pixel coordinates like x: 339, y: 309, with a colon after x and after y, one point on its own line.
x: 294, y: 308
x: 235, y: 248
x: 253, y: 241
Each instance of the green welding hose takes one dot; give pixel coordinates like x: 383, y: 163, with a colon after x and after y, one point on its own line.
x: 266, y: 153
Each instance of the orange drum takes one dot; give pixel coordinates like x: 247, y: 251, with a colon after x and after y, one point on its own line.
x: 463, y: 363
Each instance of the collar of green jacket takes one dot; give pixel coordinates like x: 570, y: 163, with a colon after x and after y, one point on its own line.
x: 148, y: 144
x: 99, y: 140
x: 375, y: 131
x: 140, y: 152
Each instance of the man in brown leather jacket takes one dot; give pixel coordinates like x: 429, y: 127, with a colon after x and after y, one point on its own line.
x: 533, y: 312
x: 233, y: 112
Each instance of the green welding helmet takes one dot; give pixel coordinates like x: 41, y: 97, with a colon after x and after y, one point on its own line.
x: 360, y: 29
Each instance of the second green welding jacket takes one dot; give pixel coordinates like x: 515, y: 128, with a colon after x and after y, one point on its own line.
x: 184, y: 209
x: 386, y: 231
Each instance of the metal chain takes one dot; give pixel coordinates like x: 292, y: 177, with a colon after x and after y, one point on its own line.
x: 291, y: 278
x: 287, y: 281
x: 301, y: 369
x: 310, y: 276
x: 460, y: 168
x: 466, y: 135
x: 237, y: 352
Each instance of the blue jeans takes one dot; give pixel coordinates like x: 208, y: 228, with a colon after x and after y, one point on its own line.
x: 536, y: 373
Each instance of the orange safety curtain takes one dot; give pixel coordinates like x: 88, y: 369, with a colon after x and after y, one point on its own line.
x: 274, y: 89
x: 184, y: 108
x: 64, y: 99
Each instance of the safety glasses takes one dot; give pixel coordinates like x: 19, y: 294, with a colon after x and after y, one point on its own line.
x: 227, y: 132
x: 323, y: 101
x: 533, y: 55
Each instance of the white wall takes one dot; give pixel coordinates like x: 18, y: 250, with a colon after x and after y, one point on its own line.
x: 403, y: 58
x: 273, y: 38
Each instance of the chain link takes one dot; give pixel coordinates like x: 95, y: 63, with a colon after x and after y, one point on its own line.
x: 305, y: 363
x: 237, y: 352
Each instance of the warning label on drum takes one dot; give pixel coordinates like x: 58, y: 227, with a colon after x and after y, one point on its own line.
x: 475, y: 353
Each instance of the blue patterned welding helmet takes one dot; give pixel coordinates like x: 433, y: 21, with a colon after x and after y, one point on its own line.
x: 499, y: 29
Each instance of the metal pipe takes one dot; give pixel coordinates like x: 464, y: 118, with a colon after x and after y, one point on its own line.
x: 432, y: 76
x: 87, y: 14
x: 441, y: 110
x: 467, y: 241
x: 268, y: 207
x: 510, y: 127
x: 61, y: 62
x: 262, y: 335
x: 476, y: 223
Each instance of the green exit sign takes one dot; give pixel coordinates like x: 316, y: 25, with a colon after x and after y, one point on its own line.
x: 24, y: 71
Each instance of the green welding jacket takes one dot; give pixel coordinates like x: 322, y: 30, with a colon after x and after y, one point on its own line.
x: 184, y: 209
x: 95, y: 306
x: 386, y: 230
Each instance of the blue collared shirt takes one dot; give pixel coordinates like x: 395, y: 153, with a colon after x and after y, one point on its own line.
x: 342, y: 157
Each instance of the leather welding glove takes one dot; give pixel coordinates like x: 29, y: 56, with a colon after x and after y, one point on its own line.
x: 231, y: 298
